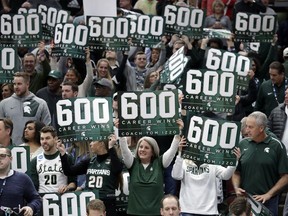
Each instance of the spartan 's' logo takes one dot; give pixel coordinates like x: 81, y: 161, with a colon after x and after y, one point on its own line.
x: 26, y: 107
x: 30, y: 108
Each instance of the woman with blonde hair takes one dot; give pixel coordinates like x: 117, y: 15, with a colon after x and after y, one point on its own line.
x: 146, y: 170
x: 218, y: 20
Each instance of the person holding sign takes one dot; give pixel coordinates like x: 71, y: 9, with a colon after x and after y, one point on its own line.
x: 46, y: 170
x: 262, y: 170
x: 146, y: 172
x: 17, y: 193
x: 195, y: 183
x: 102, y: 170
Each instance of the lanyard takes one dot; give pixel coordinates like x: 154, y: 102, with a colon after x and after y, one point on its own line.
x: 274, y: 90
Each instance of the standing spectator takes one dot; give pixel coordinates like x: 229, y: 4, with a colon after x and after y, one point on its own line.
x: 102, y: 170
x: 277, y: 121
x: 147, y: 6
x: 96, y: 207
x: 278, y: 124
x: 37, y: 78
x: 6, y: 129
x: 52, y: 93
x: 46, y: 169
x: 69, y: 90
x: 73, y: 75
x: 7, y: 90
x: 218, y: 20
x: 271, y: 92
x: 195, y: 183
x: 22, y: 106
x: 285, y: 64
x: 135, y: 75
x: 17, y: 190
x: 229, y: 5
x: 263, y: 166
x: 31, y: 137
x: 170, y: 206
x: 146, y: 173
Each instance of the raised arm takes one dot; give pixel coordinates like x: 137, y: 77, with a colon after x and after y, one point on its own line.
x: 87, y: 82
x: 128, y: 157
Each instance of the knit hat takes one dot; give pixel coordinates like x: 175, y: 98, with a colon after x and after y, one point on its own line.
x: 152, y: 142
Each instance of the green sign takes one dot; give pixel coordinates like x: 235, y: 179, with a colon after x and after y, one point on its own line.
x: 50, y: 17
x: 21, y: 159
x: 148, y: 113
x: 71, y: 203
x: 108, y: 33
x: 122, y: 194
x: 217, y: 33
x: 146, y: 30
x: 8, y: 64
x: 174, y: 67
x: 258, y: 209
x: 254, y: 27
x: 70, y: 40
x: 83, y: 119
x: 206, y: 90
x: 210, y: 141
x: 23, y: 30
x: 184, y: 21
x: 225, y: 61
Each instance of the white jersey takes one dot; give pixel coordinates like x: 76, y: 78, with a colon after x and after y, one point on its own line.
x: 50, y: 173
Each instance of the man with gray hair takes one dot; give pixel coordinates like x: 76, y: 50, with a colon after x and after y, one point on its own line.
x: 262, y: 170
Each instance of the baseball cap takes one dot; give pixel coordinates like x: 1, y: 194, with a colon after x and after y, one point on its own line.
x: 285, y: 52
x: 104, y: 82
x: 55, y: 74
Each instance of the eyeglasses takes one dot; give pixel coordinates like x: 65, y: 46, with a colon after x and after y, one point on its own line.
x: 3, y: 156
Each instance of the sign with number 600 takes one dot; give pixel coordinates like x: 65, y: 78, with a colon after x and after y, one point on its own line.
x: 211, y: 140
x: 8, y: 64
x: 254, y: 27
x: 153, y: 113
x: 209, y: 91
x: 216, y: 59
x: 84, y: 118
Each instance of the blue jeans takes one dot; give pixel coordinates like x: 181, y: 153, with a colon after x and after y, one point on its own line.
x: 272, y: 205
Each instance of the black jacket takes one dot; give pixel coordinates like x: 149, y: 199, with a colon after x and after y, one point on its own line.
x: 277, y: 120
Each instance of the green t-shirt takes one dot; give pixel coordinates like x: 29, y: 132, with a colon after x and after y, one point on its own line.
x: 261, y: 164
x: 145, y: 188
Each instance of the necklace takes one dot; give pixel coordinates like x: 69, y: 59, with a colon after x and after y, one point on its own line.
x: 275, y: 93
